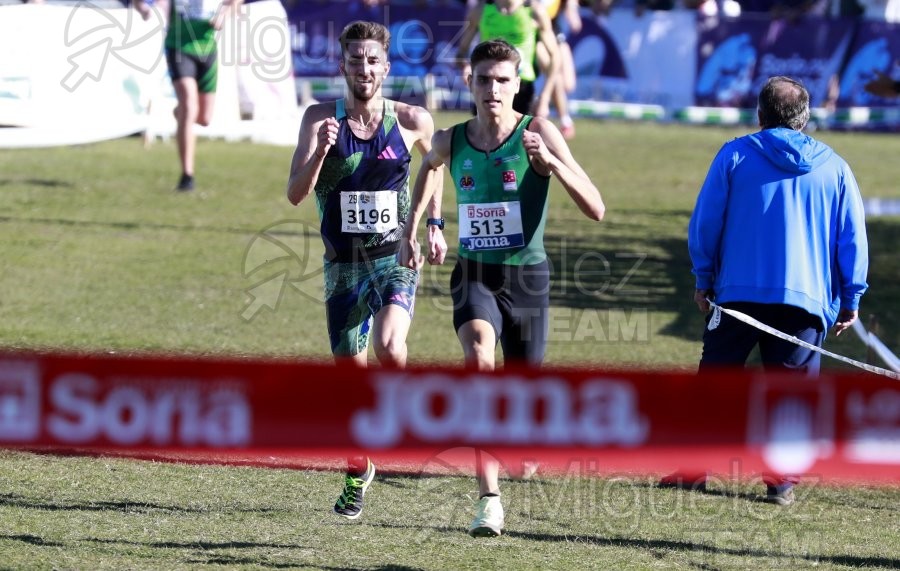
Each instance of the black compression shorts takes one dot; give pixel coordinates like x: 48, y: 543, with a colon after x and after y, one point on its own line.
x: 515, y: 300
x: 204, y: 69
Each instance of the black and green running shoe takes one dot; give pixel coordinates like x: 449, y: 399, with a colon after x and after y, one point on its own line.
x: 350, y: 503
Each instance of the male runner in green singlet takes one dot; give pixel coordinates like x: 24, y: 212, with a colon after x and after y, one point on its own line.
x: 353, y: 154
x: 192, y: 58
x: 501, y: 162
x: 522, y: 24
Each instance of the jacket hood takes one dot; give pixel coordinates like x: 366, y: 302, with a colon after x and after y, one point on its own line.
x: 790, y: 150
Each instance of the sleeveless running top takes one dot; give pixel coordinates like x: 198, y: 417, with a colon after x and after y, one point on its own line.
x: 518, y: 28
x: 502, y: 200
x: 363, y: 190
x: 190, y: 30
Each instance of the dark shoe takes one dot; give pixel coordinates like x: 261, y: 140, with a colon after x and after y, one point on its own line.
x: 695, y: 481
x: 780, y: 495
x: 350, y: 503
x: 186, y: 183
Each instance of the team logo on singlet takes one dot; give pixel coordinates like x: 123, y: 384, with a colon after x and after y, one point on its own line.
x: 467, y: 165
x: 509, y: 181
x: 501, y: 160
x: 466, y: 182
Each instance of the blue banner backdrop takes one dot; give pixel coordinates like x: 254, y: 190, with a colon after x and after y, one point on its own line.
x: 876, y: 48
x: 667, y: 58
x: 422, y: 41
x: 736, y: 57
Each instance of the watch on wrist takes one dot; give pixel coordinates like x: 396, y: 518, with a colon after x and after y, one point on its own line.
x: 439, y: 222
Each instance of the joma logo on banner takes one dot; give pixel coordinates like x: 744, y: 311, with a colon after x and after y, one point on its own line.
x: 436, y: 408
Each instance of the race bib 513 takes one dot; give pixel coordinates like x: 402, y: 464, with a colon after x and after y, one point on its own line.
x: 491, y: 226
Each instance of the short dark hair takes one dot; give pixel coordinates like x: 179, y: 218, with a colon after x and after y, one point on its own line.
x: 783, y: 102
x: 361, y: 31
x: 495, y: 50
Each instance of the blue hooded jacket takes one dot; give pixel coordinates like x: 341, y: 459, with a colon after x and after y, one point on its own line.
x: 779, y: 219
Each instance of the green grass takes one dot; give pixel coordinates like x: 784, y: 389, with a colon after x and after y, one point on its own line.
x: 106, y: 513
x: 99, y: 255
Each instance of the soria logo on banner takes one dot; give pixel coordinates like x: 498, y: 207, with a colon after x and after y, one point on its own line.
x: 508, y: 410
x: 80, y: 409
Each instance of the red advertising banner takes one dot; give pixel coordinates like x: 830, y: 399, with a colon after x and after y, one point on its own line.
x: 842, y: 426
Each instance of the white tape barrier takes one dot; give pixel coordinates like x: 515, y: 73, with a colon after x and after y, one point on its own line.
x: 781, y: 335
x: 876, y: 345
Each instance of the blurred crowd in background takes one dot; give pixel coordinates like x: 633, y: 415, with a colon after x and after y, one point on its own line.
x: 879, y: 10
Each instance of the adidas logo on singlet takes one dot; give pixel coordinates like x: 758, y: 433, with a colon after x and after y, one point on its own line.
x: 387, y: 153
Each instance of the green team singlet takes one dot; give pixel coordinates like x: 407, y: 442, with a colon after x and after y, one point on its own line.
x: 189, y: 29
x: 502, y: 200
x: 517, y: 28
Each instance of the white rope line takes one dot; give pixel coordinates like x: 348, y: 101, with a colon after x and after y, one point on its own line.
x: 781, y: 335
x: 874, y: 343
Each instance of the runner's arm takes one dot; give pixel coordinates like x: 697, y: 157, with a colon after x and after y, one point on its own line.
x: 422, y: 124
x: 429, y: 178
x: 550, y: 155
x: 318, y: 132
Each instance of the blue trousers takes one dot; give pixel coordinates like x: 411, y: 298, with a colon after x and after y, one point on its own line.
x: 731, y: 342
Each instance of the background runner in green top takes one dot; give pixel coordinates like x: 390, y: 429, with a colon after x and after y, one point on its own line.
x: 517, y: 28
x: 190, y: 26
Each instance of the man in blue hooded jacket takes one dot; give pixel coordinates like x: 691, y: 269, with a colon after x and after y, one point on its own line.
x: 778, y: 233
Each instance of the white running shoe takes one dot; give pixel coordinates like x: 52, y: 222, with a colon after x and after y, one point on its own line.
x: 488, y: 520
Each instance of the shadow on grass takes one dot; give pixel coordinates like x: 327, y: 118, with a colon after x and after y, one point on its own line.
x: 220, y: 558
x: 626, y: 265
x: 32, y: 539
x: 46, y: 183
x: 231, y: 560
x: 675, y: 545
x: 196, y: 544
x: 227, y: 559
x: 14, y: 500
x: 747, y: 496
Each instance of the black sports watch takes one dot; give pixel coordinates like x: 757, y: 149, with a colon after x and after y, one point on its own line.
x: 439, y: 222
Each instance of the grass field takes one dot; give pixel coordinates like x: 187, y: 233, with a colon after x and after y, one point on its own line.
x: 100, y: 255
x: 79, y: 513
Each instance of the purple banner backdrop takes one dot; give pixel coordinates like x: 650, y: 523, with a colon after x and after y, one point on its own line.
x: 596, y: 54
x: 423, y: 40
x: 876, y: 48
x: 833, y: 58
x: 737, y: 56
x: 627, y: 58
